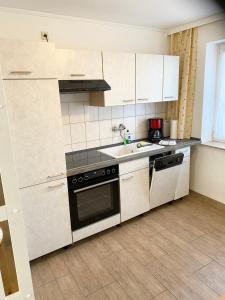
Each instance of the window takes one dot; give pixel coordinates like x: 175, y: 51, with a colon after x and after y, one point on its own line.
x: 219, y: 120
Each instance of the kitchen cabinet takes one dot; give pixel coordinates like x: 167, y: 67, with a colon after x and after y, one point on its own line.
x: 36, y: 130
x: 79, y: 64
x: 119, y: 73
x: 22, y: 60
x: 182, y: 188
x: 46, y: 216
x: 134, y: 190
x: 171, y: 78
x: 149, y: 78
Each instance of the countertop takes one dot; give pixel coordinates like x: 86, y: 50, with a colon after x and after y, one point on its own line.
x: 91, y: 159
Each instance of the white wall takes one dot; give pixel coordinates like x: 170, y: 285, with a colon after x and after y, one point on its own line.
x: 68, y: 32
x: 207, y: 163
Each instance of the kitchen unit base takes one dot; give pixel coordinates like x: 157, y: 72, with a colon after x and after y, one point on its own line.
x: 95, y: 228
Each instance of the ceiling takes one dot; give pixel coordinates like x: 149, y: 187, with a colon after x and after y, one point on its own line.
x: 161, y: 14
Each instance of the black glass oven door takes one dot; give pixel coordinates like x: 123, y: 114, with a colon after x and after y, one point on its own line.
x: 95, y: 203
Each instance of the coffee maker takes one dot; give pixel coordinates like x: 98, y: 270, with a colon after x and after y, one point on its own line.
x: 155, y: 130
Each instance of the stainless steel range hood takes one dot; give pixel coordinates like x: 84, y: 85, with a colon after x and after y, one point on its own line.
x: 78, y: 86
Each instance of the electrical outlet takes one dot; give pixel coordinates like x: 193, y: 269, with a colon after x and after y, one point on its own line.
x: 44, y: 36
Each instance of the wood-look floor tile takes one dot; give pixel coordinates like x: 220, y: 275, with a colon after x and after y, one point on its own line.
x: 49, y: 291
x: 43, y: 270
x: 214, y: 276
x: 99, y: 295
x: 115, y: 292
x: 109, y: 238
x: 165, y: 296
x: 57, y: 264
x: 69, y: 288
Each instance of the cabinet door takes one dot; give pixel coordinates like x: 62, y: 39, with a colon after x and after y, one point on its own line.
x: 119, y: 72
x: 149, y: 78
x: 21, y: 60
x: 46, y: 217
x: 79, y: 64
x: 134, y: 194
x: 171, y: 78
x: 182, y: 188
x: 36, y: 129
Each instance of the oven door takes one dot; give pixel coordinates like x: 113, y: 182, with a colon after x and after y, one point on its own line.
x: 94, y: 203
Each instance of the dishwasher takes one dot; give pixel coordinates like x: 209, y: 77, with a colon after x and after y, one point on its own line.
x: 164, y: 173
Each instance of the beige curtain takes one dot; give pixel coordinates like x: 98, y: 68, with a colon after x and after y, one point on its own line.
x: 184, y: 44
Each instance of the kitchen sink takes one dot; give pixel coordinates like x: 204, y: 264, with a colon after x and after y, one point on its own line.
x: 130, y: 149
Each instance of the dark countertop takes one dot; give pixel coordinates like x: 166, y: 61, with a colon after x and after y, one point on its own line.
x: 91, y: 159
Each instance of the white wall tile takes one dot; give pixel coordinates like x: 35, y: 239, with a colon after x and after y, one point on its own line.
x: 65, y: 113
x: 117, y: 112
x: 68, y: 148
x: 79, y: 146
x: 105, y: 113
x: 141, y: 124
x: 92, y: 131
x: 105, y: 142
x: 140, y: 109
x: 93, y: 144
x: 141, y: 135
x: 91, y: 113
x: 129, y: 110
x: 150, y: 108
x: 130, y: 124
x: 117, y: 140
x: 67, y: 134
x: 76, y: 112
x: 78, y: 133
x: 105, y: 129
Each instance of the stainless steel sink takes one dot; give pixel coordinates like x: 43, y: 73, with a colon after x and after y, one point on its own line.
x: 128, y: 150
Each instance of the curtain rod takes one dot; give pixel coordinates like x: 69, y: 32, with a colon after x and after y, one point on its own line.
x: 198, y: 23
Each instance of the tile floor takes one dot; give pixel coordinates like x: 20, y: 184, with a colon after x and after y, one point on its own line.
x: 173, y: 252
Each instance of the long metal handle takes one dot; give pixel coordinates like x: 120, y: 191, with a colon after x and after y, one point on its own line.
x: 77, y: 75
x: 1, y: 235
x: 56, y: 185
x: 20, y: 72
x: 95, y: 185
x: 168, y: 97
x: 127, y: 178
x: 128, y: 100
x: 56, y: 175
x: 142, y: 99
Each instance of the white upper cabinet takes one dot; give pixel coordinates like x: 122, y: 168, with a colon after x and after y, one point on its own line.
x: 36, y: 129
x: 171, y: 78
x: 79, y: 64
x: 119, y: 73
x: 149, y: 78
x: 21, y: 60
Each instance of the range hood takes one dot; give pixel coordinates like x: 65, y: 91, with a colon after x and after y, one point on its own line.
x: 77, y: 86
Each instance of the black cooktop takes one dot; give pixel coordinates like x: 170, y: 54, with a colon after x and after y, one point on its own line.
x: 84, y: 158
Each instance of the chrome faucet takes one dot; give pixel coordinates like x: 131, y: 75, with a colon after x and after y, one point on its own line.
x: 121, y: 129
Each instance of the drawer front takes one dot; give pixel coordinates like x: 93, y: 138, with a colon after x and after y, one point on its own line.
x: 133, y: 165
x: 186, y: 151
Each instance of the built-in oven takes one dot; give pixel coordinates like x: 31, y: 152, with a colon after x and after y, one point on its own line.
x: 93, y: 196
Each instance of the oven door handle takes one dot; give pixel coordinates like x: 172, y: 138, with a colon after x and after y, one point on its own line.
x: 95, y: 185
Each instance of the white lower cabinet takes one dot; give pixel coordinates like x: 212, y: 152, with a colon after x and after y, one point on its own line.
x: 182, y: 188
x: 134, y: 194
x: 46, y: 217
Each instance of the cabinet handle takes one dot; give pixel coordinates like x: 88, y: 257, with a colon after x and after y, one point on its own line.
x: 56, y: 175
x: 128, y: 178
x: 1, y: 235
x: 142, y: 99
x: 77, y: 75
x: 56, y: 185
x: 20, y: 72
x: 168, y: 97
x: 128, y: 100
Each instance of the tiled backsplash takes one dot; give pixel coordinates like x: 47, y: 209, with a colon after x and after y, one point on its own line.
x: 89, y: 126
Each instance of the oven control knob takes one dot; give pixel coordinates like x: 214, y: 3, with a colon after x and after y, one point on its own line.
x: 103, y: 172
x: 113, y: 171
x: 74, y: 181
x: 80, y: 179
x: 86, y: 177
x: 108, y: 172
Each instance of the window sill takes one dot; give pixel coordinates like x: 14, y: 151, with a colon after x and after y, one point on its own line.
x: 218, y: 145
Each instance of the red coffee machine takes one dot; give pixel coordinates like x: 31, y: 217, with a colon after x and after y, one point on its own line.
x: 155, y: 130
